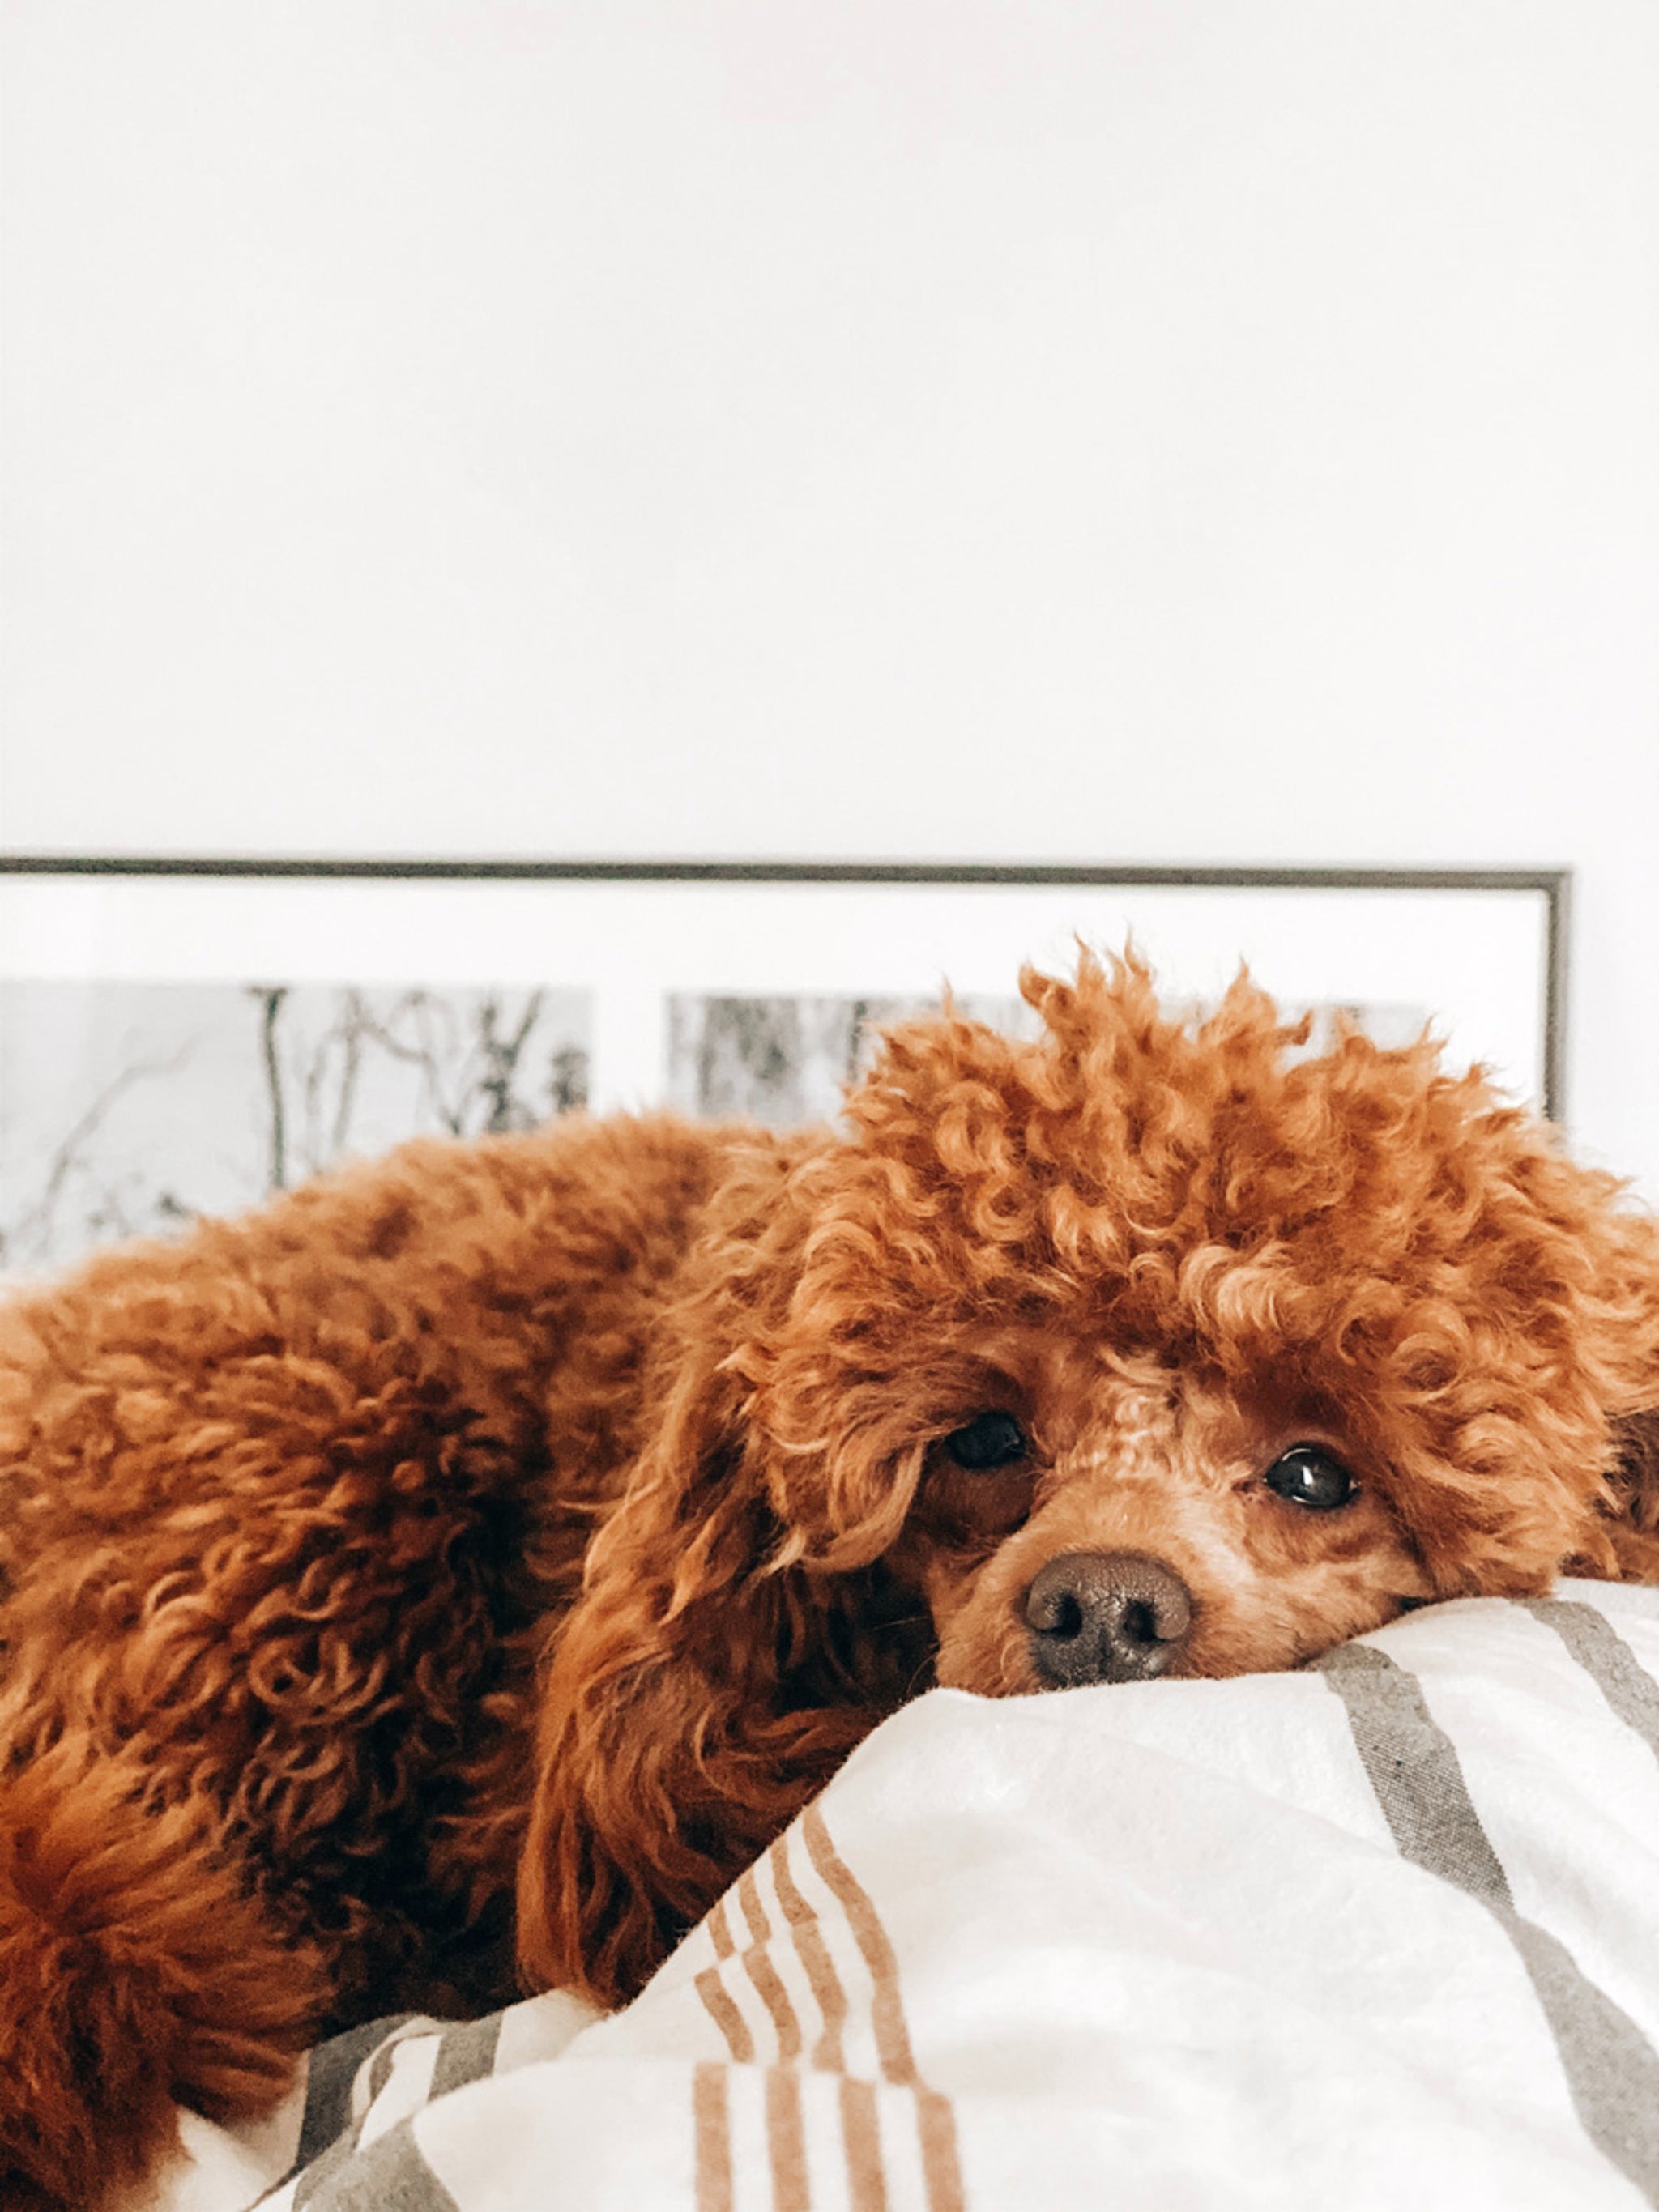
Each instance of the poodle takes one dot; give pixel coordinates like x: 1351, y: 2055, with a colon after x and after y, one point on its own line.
x: 448, y: 1578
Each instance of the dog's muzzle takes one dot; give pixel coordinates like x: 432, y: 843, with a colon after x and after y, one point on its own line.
x: 1106, y: 1617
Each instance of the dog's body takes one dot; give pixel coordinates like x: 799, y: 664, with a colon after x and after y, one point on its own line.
x: 523, y: 1531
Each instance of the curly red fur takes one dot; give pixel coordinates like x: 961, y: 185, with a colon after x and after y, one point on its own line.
x: 500, y: 1543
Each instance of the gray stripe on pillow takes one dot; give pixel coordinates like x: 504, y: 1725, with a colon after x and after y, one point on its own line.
x: 466, y: 2054
x: 390, y: 2176
x: 315, y: 2175
x: 1612, y: 2070
x: 333, y: 2068
x: 1603, y: 1654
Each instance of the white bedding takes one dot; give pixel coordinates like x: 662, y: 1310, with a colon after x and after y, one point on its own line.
x: 1384, y: 1934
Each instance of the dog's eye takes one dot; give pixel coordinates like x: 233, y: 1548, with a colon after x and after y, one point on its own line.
x: 989, y: 1440
x: 1308, y: 1476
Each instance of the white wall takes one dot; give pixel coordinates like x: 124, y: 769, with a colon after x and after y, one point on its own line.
x: 914, y: 428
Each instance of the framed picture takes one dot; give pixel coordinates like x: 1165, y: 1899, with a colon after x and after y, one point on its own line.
x: 182, y: 1037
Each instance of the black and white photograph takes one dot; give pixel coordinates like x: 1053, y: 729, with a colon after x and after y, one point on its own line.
x: 133, y: 1109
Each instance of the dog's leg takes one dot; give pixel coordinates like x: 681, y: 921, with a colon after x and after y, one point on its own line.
x: 135, y: 1973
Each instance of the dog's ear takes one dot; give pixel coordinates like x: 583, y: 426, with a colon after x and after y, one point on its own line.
x: 698, y: 1696
x: 1623, y: 1246
x: 1635, y: 1477
x: 1634, y: 1484
x: 713, y: 1672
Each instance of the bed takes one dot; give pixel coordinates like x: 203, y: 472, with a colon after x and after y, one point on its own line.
x: 1382, y: 1933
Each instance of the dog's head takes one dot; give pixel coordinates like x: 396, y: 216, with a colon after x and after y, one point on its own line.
x: 1164, y: 1348
x: 1145, y: 1347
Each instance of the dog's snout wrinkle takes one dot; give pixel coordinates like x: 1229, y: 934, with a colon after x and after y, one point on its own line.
x: 1106, y: 1617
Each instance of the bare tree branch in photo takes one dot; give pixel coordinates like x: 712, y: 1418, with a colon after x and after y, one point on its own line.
x: 269, y: 998
x: 435, y: 1026
x: 328, y: 1071
x: 35, y: 1229
x: 426, y: 1056
x: 567, y: 1087
x: 749, y: 1059
x: 502, y: 1057
x: 349, y: 1032
x: 459, y: 1074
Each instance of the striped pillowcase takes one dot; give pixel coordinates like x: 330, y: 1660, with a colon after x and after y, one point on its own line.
x: 1381, y: 1931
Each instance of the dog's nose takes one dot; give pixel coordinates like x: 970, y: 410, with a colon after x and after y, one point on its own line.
x: 1106, y: 1617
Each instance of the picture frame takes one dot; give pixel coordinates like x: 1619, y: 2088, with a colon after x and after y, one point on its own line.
x: 182, y: 1035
